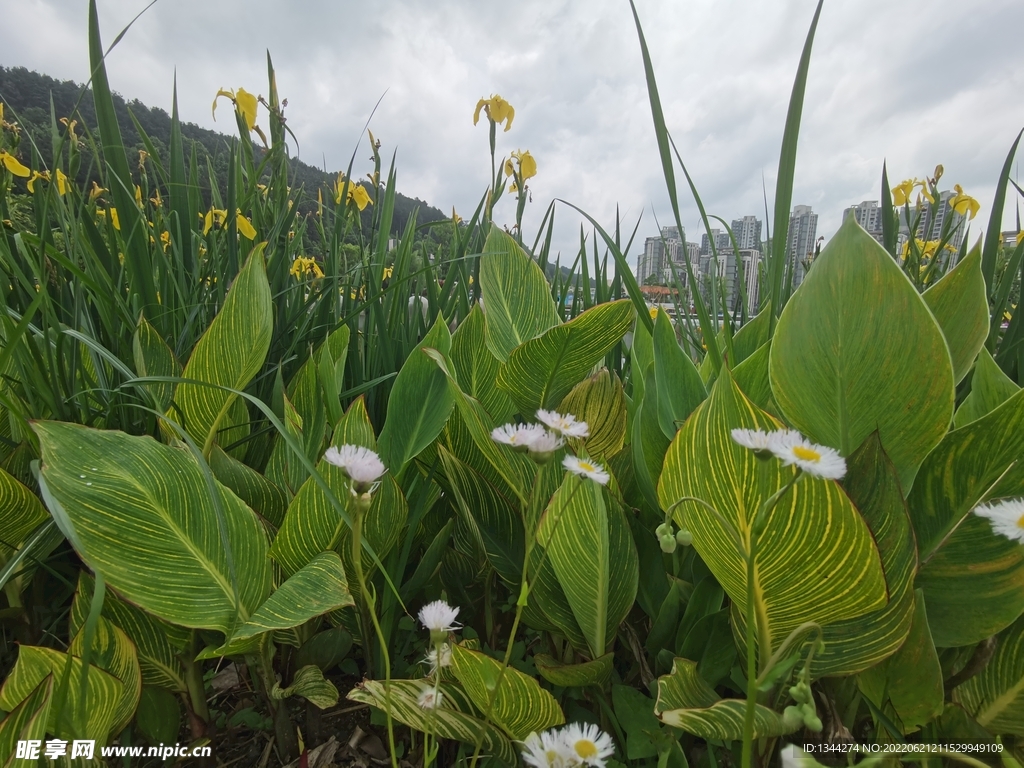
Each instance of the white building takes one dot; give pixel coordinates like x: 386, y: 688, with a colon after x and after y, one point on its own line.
x: 869, y: 216
x: 803, y: 229
x: 747, y: 232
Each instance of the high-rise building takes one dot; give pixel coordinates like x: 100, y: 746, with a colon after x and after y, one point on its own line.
x: 747, y: 232
x: 869, y: 216
x: 721, y: 240
x: 803, y: 228
x: 737, y: 279
x: 660, y: 253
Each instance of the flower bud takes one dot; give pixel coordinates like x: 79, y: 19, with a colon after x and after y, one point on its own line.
x: 668, y: 544
x: 684, y: 538
x: 792, y: 717
x: 665, y: 529
x: 813, y: 723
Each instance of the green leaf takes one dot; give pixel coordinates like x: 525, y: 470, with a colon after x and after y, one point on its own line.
x: 21, y: 512
x: 908, y: 685
x: 309, y: 683
x: 326, y: 649
x: 229, y: 354
x: 142, y: 514
x: 520, y: 706
x: 996, y: 695
x: 680, y: 388
x: 541, y: 371
x: 157, y: 642
x: 596, y: 672
x: 158, y: 715
x: 114, y: 652
x: 517, y: 299
x: 686, y: 702
x: 315, y: 589
x: 599, y: 401
x: 990, y: 388
x: 973, y: 578
x: 751, y: 376
x: 154, y: 358
x: 591, y: 549
x: 826, y: 568
x: 103, y: 692
x: 751, y: 337
x: 26, y: 722
x: 635, y: 713
x: 856, y: 644
x: 419, y: 404
x: 259, y: 494
x: 839, y: 370
x: 476, y: 367
x: 960, y: 306
x: 445, y: 721
x: 649, y: 443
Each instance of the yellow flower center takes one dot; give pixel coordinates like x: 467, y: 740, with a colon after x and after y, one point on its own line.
x: 806, y: 454
x: 1020, y: 523
x: 587, y: 467
x: 585, y: 748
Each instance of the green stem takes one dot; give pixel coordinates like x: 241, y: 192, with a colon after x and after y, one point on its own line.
x: 748, y: 716
x: 194, y: 681
x: 357, y: 559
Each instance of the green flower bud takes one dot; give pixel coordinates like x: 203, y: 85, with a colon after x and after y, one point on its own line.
x: 792, y: 717
x: 665, y: 529
x: 684, y: 538
x: 808, y: 710
x: 668, y: 544
x: 813, y: 723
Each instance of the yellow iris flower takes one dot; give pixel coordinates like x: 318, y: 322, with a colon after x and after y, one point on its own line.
x: 964, y: 204
x: 304, y: 267
x: 95, y: 192
x: 244, y: 102
x: 527, y: 167
x: 10, y: 162
x: 113, y: 216
x: 356, y: 193
x: 498, y: 111
x: 902, y: 192
x: 219, y: 217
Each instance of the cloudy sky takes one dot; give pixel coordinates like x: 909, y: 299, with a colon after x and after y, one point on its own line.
x: 914, y: 82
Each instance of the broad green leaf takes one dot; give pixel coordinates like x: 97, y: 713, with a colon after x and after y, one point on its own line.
x: 326, y: 649
x: 445, y: 721
x: 20, y: 513
x: 517, y: 299
x: 599, y: 401
x: 261, y: 495
x: 158, y: 715
x: 520, y: 706
x: 26, y: 722
x: 816, y: 560
x: 591, y: 549
x: 228, y: 354
x: 141, y: 513
x: 996, y: 695
x: 686, y: 702
x: 959, y: 303
x: 751, y: 337
x: 649, y: 443
x: 309, y: 683
x: 990, y: 388
x: 856, y: 644
x: 102, y: 694
x: 541, y: 371
x: 549, y: 608
x: 635, y: 713
x: 680, y: 388
x: 596, y: 672
x: 153, y: 357
x: 115, y: 653
x: 751, y: 376
x: 973, y: 578
x: 419, y: 404
x: 842, y: 367
x: 907, y: 686
x: 316, y: 588
x: 157, y: 642
x: 956, y: 725
x: 476, y: 367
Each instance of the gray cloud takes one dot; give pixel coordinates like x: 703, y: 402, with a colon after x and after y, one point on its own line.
x: 913, y: 83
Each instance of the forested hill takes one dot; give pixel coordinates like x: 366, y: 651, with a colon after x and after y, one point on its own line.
x: 28, y: 94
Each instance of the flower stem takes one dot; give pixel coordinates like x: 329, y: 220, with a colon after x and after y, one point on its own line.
x: 751, y: 709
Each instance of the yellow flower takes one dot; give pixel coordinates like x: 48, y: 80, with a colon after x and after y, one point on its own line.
x: 70, y: 124
x: 244, y: 226
x: 1020, y: 237
x: 31, y: 183
x: 356, y: 193
x: 902, y: 191
x: 138, y: 195
x: 527, y: 167
x: 304, y: 267
x: 964, y: 204
x: 113, y: 216
x: 165, y: 238
x: 244, y: 102
x: 214, y: 216
x: 95, y: 192
x: 388, y: 271
x: 156, y: 199
x: 498, y: 111
x: 456, y: 219
x: 10, y: 162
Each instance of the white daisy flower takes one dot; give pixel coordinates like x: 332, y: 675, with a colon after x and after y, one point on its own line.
x: 517, y: 435
x: 564, y: 424
x: 1007, y: 518
x: 586, y: 468
x: 359, y: 463
x: 438, y: 616
x: 446, y: 657
x: 546, y: 442
x: 429, y: 698
x: 588, y: 744
x: 546, y: 750
x: 754, y: 439
x: 818, y: 460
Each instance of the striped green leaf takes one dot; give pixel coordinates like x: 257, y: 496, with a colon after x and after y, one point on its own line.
x: 157, y: 643
x: 260, y: 494
x: 309, y: 683
x: 91, y: 719
x: 520, y: 706
x: 856, y: 644
x: 444, y: 721
x: 599, y: 401
x: 316, y: 588
x: 591, y: 549
x: 959, y: 303
x: 549, y: 609
x: 228, y: 354
x: 990, y: 388
x: 476, y: 367
x: 907, y: 686
x: 838, y: 369
x: 115, y: 653
x: 143, y: 515
x: 973, y: 578
x: 680, y: 388
x: 21, y: 512
x: 596, y: 672
x: 996, y: 696
x: 517, y: 299
x: 686, y: 702
x: 26, y: 722
x: 541, y: 371
x: 751, y: 376
x: 649, y: 443
x: 153, y: 357
x: 816, y: 560
x: 419, y: 404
